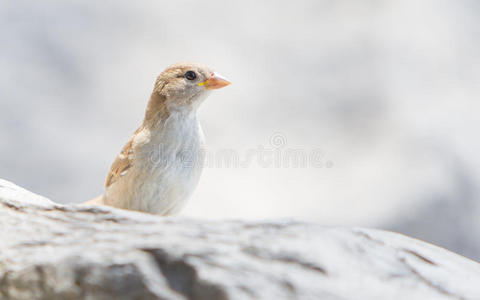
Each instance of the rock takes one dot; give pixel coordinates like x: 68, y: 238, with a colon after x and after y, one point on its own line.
x: 53, y: 251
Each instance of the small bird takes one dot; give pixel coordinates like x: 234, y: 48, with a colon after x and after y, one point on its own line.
x: 160, y: 166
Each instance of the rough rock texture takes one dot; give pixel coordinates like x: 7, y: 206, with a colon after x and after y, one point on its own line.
x: 52, y: 251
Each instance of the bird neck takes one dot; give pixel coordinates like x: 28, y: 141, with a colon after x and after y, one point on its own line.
x: 159, y: 110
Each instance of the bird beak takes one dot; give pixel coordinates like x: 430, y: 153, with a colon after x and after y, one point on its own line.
x: 216, y: 81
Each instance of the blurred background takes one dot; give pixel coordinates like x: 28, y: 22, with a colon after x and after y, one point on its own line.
x: 378, y: 100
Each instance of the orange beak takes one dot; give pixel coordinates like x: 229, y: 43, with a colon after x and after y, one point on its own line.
x: 216, y: 81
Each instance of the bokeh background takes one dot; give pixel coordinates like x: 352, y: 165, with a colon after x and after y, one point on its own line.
x: 386, y: 92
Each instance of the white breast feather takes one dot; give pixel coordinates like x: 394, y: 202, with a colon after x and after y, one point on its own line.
x: 166, y: 169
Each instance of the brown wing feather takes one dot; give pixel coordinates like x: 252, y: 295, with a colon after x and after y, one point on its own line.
x: 122, y: 163
x: 156, y: 110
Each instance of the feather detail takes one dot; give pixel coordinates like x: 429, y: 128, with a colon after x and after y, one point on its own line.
x: 123, y: 162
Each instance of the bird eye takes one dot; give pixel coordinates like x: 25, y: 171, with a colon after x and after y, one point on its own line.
x: 190, y: 75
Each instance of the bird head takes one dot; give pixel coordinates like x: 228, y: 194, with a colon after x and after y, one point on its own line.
x: 186, y: 85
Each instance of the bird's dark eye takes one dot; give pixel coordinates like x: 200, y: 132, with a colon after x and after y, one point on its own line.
x: 190, y: 75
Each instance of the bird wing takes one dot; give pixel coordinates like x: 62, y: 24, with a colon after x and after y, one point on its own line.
x: 122, y: 163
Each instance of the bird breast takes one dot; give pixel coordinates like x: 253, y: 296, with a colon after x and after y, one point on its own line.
x: 168, y: 163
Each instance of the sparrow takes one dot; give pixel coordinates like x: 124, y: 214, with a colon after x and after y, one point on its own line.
x: 160, y: 166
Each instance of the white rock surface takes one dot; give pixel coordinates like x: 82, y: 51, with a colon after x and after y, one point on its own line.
x: 52, y: 251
